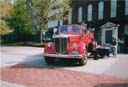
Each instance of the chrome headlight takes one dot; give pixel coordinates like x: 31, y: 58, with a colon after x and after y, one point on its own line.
x: 49, y: 44
x: 74, y: 45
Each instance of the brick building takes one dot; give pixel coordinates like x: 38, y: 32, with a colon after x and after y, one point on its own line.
x: 96, y: 13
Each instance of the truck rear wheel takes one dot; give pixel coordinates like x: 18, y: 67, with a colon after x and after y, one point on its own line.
x: 82, y: 61
x: 49, y: 60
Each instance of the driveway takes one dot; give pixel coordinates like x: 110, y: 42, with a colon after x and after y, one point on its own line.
x: 34, y: 56
x: 25, y: 67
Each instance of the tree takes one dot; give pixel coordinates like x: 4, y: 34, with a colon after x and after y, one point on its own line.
x: 41, y: 10
x: 5, y: 6
x: 4, y: 28
x: 29, y: 15
x: 40, y: 15
x: 20, y: 21
x: 63, y: 6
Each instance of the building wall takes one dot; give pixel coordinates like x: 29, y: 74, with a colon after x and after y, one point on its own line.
x: 120, y: 19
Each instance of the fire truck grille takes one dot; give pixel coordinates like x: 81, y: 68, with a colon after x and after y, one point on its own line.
x: 61, y: 45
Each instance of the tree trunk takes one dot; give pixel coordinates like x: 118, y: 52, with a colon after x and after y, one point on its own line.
x: 41, y: 36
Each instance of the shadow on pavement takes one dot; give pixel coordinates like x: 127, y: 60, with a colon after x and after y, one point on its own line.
x: 37, y: 61
x: 111, y: 85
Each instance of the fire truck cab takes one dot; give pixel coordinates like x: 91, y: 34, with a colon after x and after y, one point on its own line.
x: 71, y: 42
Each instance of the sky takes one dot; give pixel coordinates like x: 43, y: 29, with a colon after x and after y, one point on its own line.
x: 12, y: 1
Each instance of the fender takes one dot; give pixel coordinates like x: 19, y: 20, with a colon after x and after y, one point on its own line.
x: 49, y: 48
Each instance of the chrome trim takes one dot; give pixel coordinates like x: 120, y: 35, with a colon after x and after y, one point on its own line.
x: 61, y: 44
x: 63, y: 56
x: 60, y: 36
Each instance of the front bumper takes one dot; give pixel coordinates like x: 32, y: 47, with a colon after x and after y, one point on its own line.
x: 63, y: 56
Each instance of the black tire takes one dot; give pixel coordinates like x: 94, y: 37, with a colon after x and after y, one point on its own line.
x: 49, y: 60
x: 82, y: 61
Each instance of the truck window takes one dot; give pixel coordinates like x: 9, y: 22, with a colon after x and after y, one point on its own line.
x: 71, y: 29
x: 63, y: 29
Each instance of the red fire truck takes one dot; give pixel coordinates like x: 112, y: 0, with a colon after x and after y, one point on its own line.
x: 70, y: 42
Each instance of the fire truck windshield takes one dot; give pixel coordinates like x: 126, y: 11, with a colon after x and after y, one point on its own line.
x: 72, y: 29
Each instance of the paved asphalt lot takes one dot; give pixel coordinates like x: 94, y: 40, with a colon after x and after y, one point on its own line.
x: 10, y: 56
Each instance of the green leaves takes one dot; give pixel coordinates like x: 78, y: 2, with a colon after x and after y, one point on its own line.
x: 48, y: 10
x: 4, y: 28
x: 25, y: 16
x: 5, y: 6
x: 20, y: 20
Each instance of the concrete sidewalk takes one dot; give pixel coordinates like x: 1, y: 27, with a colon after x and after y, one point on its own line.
x: 9, y: 84
x: 33, y: 56
x: 108, y: 66
x: 119, y: 67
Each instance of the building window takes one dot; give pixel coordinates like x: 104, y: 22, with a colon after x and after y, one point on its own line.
x: 70, y: 16
x: 100, y: 10
x: 126, y: 29
x: 126, y: 7
x: 79, y: 14
x: 89, y: 14
x: 113, y: 8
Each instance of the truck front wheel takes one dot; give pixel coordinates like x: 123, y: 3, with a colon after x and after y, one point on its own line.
x: 82, y: 61
x: 49, y: 60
